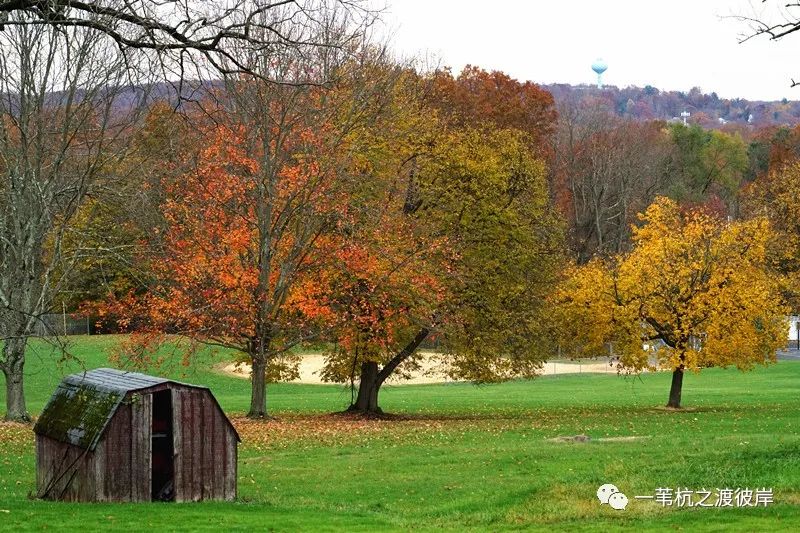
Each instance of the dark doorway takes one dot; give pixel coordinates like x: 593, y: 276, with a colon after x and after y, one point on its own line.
x: 163, y: 487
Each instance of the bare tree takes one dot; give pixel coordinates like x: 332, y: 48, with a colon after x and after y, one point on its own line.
x: 605, y: 170
x: 66, y: 107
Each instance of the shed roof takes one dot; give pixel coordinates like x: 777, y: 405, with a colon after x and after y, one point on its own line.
x: 83, y: 404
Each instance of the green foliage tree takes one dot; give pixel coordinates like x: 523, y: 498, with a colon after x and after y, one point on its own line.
x: 706, y: 162
x: 509, y: 242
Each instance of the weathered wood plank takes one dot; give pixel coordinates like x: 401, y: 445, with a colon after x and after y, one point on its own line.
x: 141, y: 448
x: 74, y: 480
x: 230, y: 458
x: 197, y: 445
x: 177, y: 443
x: 44, y: 463
x: 117, y: 456
x: 188, y: 437
x: 123, y: 417
x: 88, y: 478
x: 61, y: 470
x: 208, y: 413
x: 100, y: 468
x: 147, y: 453
x: 109, y: 444
x: 218, y: 440
x: 41, y: 461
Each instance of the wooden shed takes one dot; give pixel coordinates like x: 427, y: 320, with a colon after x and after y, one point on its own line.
x: 109, y: 435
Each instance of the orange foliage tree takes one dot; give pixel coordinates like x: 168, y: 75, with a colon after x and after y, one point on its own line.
x: 210, y: 279
x: 260, y: 210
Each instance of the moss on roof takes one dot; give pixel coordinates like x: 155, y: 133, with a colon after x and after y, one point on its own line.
x: 83, y: 404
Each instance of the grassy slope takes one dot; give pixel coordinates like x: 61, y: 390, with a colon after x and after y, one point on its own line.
x: 470, y: 457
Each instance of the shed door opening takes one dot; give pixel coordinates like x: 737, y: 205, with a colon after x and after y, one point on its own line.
x: 163, y: 486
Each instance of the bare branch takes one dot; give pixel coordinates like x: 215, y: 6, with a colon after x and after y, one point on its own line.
x: 775, y: 20
x: 198, y: 30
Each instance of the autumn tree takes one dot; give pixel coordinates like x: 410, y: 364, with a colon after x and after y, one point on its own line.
x: 298, y: 218
x: 203, y: 259
x: 771, y: 150
x: 696, y: 283
x: 103, y: 243
x: 477, y: 96
x: 775, y: 196
x: 606, y: 169
x: 474, y: 251
x: 460, y: 242
x: 265, y: 202
x: 508, y: 242
x: 381, y: 292
x: 112, y: 231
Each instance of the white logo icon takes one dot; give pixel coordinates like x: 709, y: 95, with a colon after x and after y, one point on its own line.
x: 610, y: 494
x: 618, y: 501
x: 605, y: 491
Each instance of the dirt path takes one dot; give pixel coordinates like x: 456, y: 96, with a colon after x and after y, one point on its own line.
x: 431, y: 371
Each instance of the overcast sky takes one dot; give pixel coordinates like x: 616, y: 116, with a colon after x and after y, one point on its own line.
x: 670, y: 44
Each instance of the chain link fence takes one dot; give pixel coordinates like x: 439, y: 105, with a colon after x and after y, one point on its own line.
x: 55, y: 324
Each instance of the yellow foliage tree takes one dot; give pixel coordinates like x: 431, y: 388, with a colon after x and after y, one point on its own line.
x: 776, y: 196
x: 695, y: 282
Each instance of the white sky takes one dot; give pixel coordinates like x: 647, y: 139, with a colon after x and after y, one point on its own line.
x: 670, y: 44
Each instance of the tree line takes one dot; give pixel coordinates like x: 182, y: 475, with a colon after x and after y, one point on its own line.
x: 706, y: 109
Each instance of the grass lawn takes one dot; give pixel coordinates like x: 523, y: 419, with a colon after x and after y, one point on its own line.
x: 464, y: 457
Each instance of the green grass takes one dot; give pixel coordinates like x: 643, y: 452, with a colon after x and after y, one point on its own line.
x: 465, y: 457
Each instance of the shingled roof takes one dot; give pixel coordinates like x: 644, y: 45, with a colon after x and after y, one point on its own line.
x: 83, y: 404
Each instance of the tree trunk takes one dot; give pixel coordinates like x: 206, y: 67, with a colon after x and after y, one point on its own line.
x: 13, y: 362
x: 371, y: 379
x: 675, y: 389
x: 368, y: 388
x: 258, y: 396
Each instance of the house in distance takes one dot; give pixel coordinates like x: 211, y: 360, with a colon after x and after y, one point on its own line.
x: 110, y: 435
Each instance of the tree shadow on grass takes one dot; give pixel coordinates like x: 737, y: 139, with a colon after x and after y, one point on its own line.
x: 700, y: 409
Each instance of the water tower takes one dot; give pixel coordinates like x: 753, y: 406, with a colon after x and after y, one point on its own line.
x: 599, y: 66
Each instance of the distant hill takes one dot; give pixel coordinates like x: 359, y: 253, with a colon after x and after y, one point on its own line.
x: 650, y: 103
